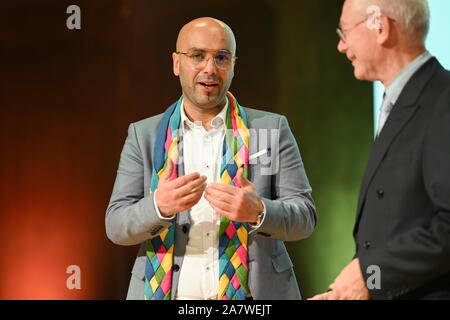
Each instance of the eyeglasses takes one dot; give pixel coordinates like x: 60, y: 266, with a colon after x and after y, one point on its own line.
x: 199, y: 57
x: 341, y: 34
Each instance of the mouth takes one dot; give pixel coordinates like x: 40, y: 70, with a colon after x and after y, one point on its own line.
x: 208, y: 85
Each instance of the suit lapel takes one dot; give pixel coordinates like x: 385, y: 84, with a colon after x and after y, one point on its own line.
x: 401, y: 113
x: 398, y: 118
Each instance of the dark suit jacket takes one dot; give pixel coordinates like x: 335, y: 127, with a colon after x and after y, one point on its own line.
x: 403, y: 215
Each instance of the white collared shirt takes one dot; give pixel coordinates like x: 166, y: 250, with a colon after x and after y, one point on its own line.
x: 202, y: 152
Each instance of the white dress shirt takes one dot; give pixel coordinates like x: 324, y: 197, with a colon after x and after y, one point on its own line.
x: 199, y: 273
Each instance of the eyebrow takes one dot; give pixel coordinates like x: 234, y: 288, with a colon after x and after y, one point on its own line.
x: 204, y: 50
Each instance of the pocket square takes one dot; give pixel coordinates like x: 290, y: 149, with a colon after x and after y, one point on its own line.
x: 257, y: 154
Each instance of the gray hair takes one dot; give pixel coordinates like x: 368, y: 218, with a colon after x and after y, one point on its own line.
x: 412, y: 16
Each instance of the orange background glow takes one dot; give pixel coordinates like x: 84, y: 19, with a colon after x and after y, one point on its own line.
x: 66, y: 100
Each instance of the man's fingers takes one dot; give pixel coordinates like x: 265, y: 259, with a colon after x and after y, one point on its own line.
x: 218, y: 205
x: 225, y: 188
x: 219, y: 195
x: 241, y: 179
x: 188, y: 201
x: 220, y: 209
x: 168, y: 171
x: 322, y: 296
x: 191, y: 186
x: 192, y: 198
x: 183, y: 180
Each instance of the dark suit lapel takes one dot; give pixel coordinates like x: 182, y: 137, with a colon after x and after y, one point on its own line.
x: 398, y: 118
x: 401, y: 113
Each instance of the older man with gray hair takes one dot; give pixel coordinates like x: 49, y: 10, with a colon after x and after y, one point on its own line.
x: 402, y: 229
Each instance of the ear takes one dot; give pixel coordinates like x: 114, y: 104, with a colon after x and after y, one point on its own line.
x: 176, y: 64
x: 384, y: 30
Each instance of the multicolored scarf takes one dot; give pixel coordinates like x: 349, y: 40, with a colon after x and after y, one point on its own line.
x: 233, y: 267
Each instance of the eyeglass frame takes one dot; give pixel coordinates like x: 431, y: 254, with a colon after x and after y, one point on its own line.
x: 341, y: 34
x: 340, y: 31
x: 192, y: 50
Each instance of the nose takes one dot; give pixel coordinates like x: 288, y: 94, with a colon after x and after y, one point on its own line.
x: 210, y: 66
x: 342, y: 46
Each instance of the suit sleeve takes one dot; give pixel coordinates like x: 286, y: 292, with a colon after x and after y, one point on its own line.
x: 422, y: 254
x: 131, y: 217
x: 290, y: 214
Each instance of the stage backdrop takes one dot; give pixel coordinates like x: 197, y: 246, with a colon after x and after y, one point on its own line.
x: 68, y: 96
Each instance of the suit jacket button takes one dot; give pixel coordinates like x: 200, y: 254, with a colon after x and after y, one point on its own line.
x: 176, y: 267
x: 367, y: 244
x: 380, y: 193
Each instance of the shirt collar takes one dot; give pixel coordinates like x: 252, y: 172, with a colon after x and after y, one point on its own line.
x: 396, y: 87
x: 216, y: 122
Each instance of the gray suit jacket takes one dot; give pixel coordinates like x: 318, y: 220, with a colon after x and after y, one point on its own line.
x: 279, y: 178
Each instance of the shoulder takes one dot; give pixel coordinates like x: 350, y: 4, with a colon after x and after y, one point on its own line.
x: 145, y: 130
x: 440, y: 77
x: 150, y: 123
x: 435, y: 102
x: 263, y: 119
x: 437, y: 94
x: 256, y: 114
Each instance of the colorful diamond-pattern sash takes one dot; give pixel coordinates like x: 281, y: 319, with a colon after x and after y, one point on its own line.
x: 233, y: 267
x: 158, y: 268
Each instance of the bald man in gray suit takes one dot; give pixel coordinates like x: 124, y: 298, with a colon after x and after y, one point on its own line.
x: 275, y: 200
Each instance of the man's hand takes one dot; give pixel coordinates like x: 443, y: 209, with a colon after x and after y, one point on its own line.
x: 237, y: 204
x: 322, y: 296
x: 177, y: 195
x: 349, y: 285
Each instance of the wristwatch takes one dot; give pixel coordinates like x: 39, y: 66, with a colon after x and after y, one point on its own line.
x: 260, y: 216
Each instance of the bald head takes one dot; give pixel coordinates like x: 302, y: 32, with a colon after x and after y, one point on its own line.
x: 202, y: 62
x: 193, y: 33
